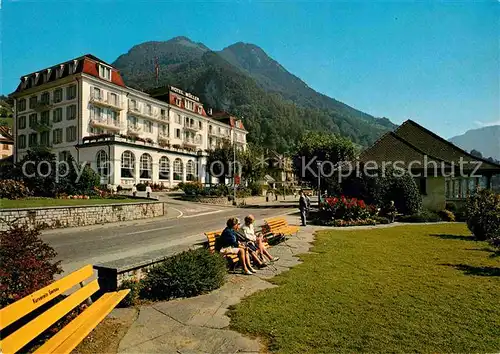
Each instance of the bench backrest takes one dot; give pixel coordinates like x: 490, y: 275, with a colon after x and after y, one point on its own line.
x: 19, y: 309
x: 211, y: 236
x: 276, y: 223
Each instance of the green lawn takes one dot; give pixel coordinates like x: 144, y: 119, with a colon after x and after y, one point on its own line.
x: 412, y: 288
x: 48, y: 202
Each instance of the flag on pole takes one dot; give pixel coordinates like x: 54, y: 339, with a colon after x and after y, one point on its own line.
x: 157, y: 70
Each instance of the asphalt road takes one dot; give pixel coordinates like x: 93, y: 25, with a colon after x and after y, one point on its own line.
x: 133, y: 241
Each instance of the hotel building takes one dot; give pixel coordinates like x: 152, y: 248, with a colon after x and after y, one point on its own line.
x: 82, y: 107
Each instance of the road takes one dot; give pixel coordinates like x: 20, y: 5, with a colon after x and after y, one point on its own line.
x: 129, y: 242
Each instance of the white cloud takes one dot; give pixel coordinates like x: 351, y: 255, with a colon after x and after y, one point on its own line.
x: 486, y: 124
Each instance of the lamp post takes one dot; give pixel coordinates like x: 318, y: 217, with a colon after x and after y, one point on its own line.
x: 318, y: 163
x: 234, y: 168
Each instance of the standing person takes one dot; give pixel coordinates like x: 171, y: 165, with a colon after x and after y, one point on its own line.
x: 256, y: 238
x: 303, y: 208
x: 148, y: 191
x: 134, y: 190
x: 308, y: 205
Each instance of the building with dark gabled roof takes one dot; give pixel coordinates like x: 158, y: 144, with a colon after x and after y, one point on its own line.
x: 443, y: 172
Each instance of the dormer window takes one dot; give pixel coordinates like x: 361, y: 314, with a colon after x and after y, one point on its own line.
x: 200, y: 110
x: 60, y: 71
x: 178, y: 102
x: 189, y: 105
x: 105, y: 72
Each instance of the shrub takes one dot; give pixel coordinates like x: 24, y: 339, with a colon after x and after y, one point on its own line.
x: 451, y: 207
x: 345, y: 209
x: 192, y: 188
x: 446, y: 215
x: 381, y: 219
x: 483, y: 214
x: 243, y: 192
x: 255, y: 189
x: 26, y: 263
x: 12, y: 189
x: 133, y: 296
x: 423, y: 216
x: 141, y: 187
x: 187, y: 274
x: 403, y: 191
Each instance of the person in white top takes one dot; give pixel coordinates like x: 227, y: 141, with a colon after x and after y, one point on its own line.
x: 250, y: 235
x: 148, y: 191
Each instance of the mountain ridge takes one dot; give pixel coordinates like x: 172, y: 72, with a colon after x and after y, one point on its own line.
x: 485, y: 140
x: 243, y: 79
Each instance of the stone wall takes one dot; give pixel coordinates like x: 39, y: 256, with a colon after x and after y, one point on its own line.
x: 71, y: 216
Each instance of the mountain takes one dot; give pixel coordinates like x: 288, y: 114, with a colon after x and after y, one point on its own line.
x: 486, y: 140
x: 276, y: 106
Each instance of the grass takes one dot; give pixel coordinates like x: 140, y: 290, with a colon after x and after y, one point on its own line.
x: 48, y: 202
x: 418, y: 288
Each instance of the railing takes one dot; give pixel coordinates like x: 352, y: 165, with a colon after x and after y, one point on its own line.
x: 194, y: 127
x: 99, y: 100
x: 134, y: 129
x: 135, y: 111
x: 189, y: 141
x: 163, y: 137
x: 106, y: 123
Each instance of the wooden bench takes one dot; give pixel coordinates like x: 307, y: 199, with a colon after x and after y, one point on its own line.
x: 278, y: 226
x: 70, y: 335
x: 211, y: 236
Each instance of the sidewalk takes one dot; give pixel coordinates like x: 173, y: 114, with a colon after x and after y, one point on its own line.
x: 200, y: 324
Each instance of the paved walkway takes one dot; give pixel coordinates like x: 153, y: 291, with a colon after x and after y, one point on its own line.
x: 200, y: 324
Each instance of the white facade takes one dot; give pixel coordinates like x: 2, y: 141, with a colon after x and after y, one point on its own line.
x: 124, y: 134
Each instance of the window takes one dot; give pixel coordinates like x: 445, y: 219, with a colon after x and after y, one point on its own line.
x: 105, y: 72
x: 177, y: 170
x: 162, y: 113
x: 164, y: 167
x: 21, y: 105
x: 177, y: 101
x: 33, y: 101
x: 57, y: 115
x: 71, y: 112
x: 44, y: 138
x: 33, y: 120
x: 164, y: 129
x: 113, y: 99
x: 71, y: 134
x: 71, y: 92
x: 45, y: 98
x: 57, y: 136
x: 132, y: 121
x: 128, y: 164
x: 146, y: 163
x: 178, y: 133
x: 114, y: 116
x: 21, y: 141
x: 33, y: 140
x: 45, y: 117
x: 102, y: 163
x: 64, y: 155
x: 58, y: 95
x: 96, y: 93
x: 21, y: 123
x: 178, y: 118
x: 190, y: 171
x: 200, y: 110
x: 148, y: 126
x: 200, y: 125
x: 149, y: 109
x: 189, y: 105
x: 133, y: 105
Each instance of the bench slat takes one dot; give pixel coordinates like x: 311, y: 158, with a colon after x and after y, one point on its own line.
x: 76, y: 337
x: 22, y: 307
x: 51, y: 345
x: 25, y: 334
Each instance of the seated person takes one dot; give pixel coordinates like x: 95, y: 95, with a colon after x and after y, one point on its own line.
x: 256, y: 239
x: 250, y: 246
x: 390, y: 211
x: 227, y: 243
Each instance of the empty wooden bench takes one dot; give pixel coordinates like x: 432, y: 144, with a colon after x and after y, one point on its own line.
x: 70, y: 335
x: 278, y: 226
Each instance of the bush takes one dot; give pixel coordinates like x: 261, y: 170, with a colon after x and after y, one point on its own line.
x: 133, y: 296
x: 483, y: 214
x: 26, y: 263
x: 187, y: 274
x: 345, y: 209
x: 451, y: 207
x: 423, y: 216
x: 243, y: 192
x: 141, y: 187
x: 381, y: 219
x: 255, y: 189
x: 12, y: 189
x: 192, y: 188
x: 446, y: 215
x: 403, y: 191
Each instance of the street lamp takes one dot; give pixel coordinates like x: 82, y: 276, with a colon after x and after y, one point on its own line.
x: 318, y: 163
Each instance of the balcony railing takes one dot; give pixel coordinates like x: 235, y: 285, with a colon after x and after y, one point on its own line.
x: 134, y: 129
x: 191, y: 142
x: 163, y: 137
x: 109, y: 124
x: 192, y: 127
x: 108, y: 103
x: 135, y: 111
x: 43, y: 105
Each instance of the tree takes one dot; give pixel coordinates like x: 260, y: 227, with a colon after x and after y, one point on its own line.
x: 329, y: 149
x: 476, y: 153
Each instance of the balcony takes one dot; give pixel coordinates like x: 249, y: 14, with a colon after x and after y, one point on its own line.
x: 134, y: 130
x: 163, y: 138
x: 191, y: 127
x: 43, y: 105
x: 191, y: 143
x: 136, y: 112
x: 109, y: 124
x: 107, y: 103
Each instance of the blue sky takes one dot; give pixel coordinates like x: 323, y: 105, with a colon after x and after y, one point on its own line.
x: 434, y: 62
